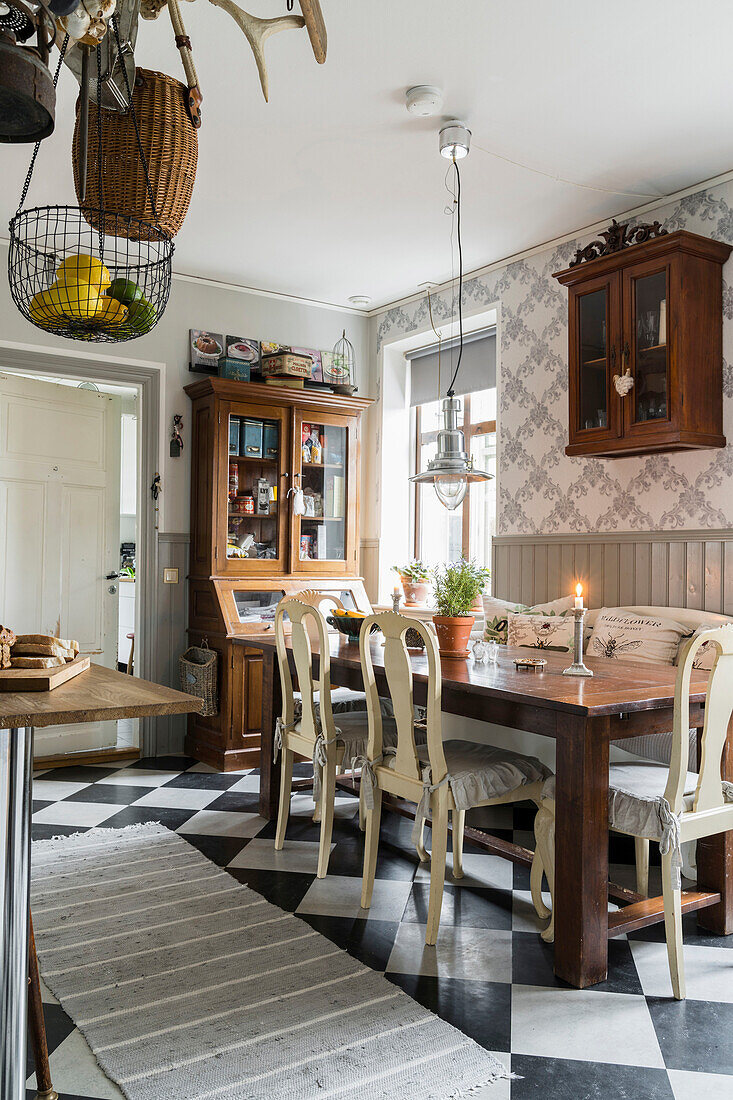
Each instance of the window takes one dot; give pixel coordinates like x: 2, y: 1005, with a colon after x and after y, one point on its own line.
x: 440, y: 535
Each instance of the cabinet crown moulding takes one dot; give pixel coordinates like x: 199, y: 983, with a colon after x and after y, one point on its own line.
x: 680, y: 241
x: 617, y: 237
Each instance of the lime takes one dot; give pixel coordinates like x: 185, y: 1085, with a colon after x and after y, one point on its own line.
x: 84, y: 269
x: 124, y: 290
x: 141, y: 316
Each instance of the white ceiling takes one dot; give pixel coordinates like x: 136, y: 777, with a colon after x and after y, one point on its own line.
x: 332, y: 189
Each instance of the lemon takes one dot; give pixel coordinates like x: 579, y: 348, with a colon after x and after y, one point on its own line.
x: 43, y: 310
x: 111, y: 312
x: 84, y: 269
x: 76, y: 300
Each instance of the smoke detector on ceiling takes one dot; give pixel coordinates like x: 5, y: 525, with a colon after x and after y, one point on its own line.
x: 423, y: 100
x: 361, y: 301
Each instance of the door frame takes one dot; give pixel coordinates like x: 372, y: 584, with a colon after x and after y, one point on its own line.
x: 147, y: 374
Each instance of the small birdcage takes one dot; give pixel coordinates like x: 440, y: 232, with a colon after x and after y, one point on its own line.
x: 343, y: 367
x: 105, y: 282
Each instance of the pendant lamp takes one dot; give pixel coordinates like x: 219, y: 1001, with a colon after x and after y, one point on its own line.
x: 452, y: 471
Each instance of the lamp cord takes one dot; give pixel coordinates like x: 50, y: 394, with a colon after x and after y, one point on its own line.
x: 450, y: 391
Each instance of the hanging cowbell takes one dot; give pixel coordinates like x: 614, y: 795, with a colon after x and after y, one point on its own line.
x: 27, y: 93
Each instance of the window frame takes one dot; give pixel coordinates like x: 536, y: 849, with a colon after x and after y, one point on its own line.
x: 470, y: 430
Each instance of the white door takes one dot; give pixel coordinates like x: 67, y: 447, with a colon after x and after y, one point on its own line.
x: 60, y: 513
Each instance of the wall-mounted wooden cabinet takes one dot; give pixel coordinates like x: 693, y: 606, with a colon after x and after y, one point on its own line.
x: 252, y: 443
x: 651, y: 312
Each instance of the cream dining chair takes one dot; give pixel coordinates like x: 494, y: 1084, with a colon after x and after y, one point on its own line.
x: 342, y: 699
x: 441, y: 777
x: 665, y: 803
x: 307, y: 724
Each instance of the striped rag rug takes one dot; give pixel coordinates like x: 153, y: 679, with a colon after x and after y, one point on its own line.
x: 189, y: 986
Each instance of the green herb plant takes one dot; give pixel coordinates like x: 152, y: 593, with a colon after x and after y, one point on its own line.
x: 415, y: 571
x: 456, y: 587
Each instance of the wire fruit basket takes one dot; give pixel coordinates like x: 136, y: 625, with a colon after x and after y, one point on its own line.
x: 106, y: 285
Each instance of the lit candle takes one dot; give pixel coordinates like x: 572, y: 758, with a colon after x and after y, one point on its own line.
x: 579, y: 597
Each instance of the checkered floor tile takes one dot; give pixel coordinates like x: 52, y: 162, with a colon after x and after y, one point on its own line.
x: 490, y: 975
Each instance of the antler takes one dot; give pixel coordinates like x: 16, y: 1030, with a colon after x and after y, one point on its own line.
x: 258, y: 31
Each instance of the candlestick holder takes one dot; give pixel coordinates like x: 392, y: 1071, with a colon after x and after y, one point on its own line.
x: 578, y: 668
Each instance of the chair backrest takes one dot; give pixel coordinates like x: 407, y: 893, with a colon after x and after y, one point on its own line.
x: 718, y: 709
x: 304, y: 619
x: 398, y: 670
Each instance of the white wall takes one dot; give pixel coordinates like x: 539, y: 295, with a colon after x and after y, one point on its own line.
x: 196, y: 304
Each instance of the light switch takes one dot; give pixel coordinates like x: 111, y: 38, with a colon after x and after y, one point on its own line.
x: 170, y: 576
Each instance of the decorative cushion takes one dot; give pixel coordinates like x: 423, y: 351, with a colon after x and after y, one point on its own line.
x: 478, y: 772
x: 622, y: 635
x: 706, y: 654
x: 496, y: 613
x: 344, y: 700
x: 540, y: 631
x: 658, y: 747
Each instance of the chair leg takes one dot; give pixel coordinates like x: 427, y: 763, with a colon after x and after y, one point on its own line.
x: 423, y: 853
x: 673, y: 929
x: 286, y: 782
x: 544, y: 831
x: 439, y: 803
x: 371, y: 848
x: 641, y: 844
x: 535, y: 885
x: 459, y: 825
x: 328, y: 796
x: 44, y: 1087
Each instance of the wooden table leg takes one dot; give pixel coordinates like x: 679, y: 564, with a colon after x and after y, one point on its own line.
x: 715, y: 863
x: 581, y: 851
x: 271, y: 710
x: 44, y: 1087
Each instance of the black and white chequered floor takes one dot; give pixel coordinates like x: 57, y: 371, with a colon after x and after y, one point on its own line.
x: 490, y: 975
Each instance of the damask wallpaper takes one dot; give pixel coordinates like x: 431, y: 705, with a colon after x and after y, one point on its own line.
x: 541, y: 490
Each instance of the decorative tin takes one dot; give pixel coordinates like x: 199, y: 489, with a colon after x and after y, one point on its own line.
x: 233, y: 480
x: 233, y: 435
x: 270, y: 441
x: 251, y: 438
x: 286, y: 364
x: 248, y: 504
x: 235, y: 369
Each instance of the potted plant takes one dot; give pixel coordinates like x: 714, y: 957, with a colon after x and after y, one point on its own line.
x: 482, y: 576
x: 456, y: 587
x: 415, y: 577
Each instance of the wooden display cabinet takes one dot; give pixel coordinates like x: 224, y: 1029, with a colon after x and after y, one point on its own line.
x: 652, y: 311
x: 287, y: 438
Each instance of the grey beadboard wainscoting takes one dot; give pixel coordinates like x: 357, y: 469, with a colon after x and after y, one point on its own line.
x: 666, y: 568
x: 170, y: 634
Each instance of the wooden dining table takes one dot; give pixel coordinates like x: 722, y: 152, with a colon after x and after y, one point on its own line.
x: 97, y: 695
x: 582, y: 716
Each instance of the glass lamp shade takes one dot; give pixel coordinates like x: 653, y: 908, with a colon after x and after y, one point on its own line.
x: 450, y: 489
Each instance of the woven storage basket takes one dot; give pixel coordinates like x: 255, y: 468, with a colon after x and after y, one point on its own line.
x: 170, y: 144
x: 198, y: 671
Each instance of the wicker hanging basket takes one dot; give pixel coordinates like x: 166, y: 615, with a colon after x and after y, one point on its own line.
x: 198, y: 671
x: 169, y: 142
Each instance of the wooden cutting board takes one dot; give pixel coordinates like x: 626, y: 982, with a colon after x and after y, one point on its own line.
x: 42, y: 679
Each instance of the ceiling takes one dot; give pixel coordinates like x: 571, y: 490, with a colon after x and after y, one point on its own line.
x: 332, y: 189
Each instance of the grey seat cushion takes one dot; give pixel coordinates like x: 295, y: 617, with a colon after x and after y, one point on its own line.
x: 479, y: 772
x: 635, y: 797
x: 344, y: 700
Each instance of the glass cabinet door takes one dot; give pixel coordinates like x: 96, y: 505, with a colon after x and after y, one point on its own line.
x: 646, y: 350
x: 595, y: 317
x: 321, y: 540
x: 255, y: 533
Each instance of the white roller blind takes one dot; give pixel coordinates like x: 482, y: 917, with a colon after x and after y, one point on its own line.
x: 478, y: 367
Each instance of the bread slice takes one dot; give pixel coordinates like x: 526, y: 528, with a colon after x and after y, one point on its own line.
x: 36, y: 662
x: 4, y: 655
x: 47, y: 639
x: 36, y: 649
x: 7, y: 637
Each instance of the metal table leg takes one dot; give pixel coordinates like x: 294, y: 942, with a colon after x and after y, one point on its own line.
x: 16, y: 750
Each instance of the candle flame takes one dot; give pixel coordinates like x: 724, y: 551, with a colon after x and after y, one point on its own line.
x: 579, y: 590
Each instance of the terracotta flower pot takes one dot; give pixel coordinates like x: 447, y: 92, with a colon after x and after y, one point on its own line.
x: 453, y: 634
x: 416, y: 592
